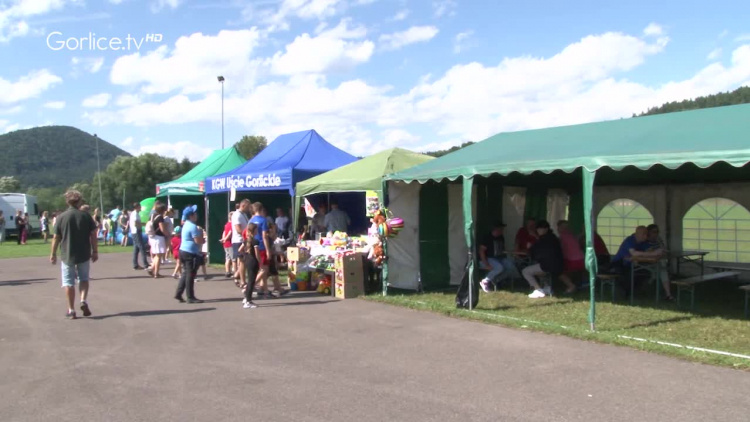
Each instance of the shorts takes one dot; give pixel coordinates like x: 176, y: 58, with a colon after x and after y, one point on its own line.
x: 158, y: 245
x: 236, y: 250
x: 229, y: 254
x: 272, y: 270
x: 263, y: 258
x: 574, y: 266
x: 75, y: 273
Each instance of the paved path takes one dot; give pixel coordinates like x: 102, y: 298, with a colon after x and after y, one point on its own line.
x: 145, y: 357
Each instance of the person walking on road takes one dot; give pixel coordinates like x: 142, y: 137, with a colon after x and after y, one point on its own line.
x: 2, y: 228
x: 20, y: 227
x: 136, y: 230
x: 190, y: 255
x: 75, y: 234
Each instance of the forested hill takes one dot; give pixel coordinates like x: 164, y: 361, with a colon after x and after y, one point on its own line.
x: 53, y: 156
x: 738, y: 96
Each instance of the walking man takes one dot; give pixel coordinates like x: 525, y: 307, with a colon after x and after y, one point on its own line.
x: 136, y: 230
x: 75, y: 234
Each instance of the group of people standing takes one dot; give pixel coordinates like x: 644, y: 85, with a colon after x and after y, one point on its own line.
x: 248, y: 239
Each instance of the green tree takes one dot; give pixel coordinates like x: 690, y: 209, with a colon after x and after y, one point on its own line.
x: 250, y: 146
x: 49, y: 199
x: 738, y: 96
x: 9, y: 184
x: 135, y: 178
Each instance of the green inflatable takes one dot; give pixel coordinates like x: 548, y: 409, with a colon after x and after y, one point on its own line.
x: 146, y: 206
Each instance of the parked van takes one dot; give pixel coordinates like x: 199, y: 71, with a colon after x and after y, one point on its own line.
x: 10, y: 203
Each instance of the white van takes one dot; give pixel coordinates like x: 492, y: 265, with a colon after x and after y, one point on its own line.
x: 10, y: 203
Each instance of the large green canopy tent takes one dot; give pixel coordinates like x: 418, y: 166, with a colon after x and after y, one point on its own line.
x: 701, y: 146
x: 190, y: 187
x: 362, y: 175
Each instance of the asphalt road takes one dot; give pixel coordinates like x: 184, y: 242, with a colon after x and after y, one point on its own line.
x: 144, y: 357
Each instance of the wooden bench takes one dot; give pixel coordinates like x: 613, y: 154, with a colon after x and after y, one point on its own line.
x: 607, y: 280
x: 721, y: 268
x: 746, y: 288
x: 689, y: 284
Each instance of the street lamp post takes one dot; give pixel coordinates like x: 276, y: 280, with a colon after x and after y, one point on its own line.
x: 221, y: 80
x: 99, y: 175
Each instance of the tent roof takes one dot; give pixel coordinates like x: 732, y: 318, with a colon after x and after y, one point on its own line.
x: 191, y: 182
x: 702, y: 137
x: 363, y: 175
x: 292, y: 157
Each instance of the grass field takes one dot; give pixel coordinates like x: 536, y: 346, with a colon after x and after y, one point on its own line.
x: 37, y: 247
x: 717, y: 323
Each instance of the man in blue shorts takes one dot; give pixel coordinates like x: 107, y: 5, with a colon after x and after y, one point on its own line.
x: 75, y: 234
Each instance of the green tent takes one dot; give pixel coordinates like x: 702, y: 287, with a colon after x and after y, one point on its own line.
x: 668, y: 148
x: 192, y: 182
x: 146, y: 206
x: 362, y: 175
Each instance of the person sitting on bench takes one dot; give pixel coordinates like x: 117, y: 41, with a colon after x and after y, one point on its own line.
x: 547, y: 252
x: 635, y: 245
x: 492, y: 257
x: 655, y: 242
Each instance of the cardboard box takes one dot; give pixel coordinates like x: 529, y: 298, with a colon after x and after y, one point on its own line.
x: 295, y: 254
x: 350, y: 280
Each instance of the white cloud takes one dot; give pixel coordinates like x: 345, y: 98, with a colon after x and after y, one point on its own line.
x: 127, y: 142
x: 192, y: 65
x: 653, y: 30
x: 586, y: 81
x: 87, y: 64
x: 13, y: 15
x: 401, y: 15
x: 742, y: 38
x: 55, y: 105
x: 444, y: 8
x: 714, y: 54
x: 459, y: 43
x: 415, y: 34
x: 11, y: 110
x: 179, y: 150
x: 28, y: 86
x: 97, y: 101
x: 334, y: 49
x: 126, y: 100
x: 115, y: 1
x: 277, y: 17
x: 158, y: 5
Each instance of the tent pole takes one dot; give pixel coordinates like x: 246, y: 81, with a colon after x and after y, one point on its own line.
x: 591, y: 263
x: 384, y: 273
x: 468, y: 183
x: 205, y: 206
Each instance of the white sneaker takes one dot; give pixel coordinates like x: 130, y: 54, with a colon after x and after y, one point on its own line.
x: 547, y: 290
x: 244, y: 301
x: 249, y: 305
x: 537, y: 294
x: 485, y: 285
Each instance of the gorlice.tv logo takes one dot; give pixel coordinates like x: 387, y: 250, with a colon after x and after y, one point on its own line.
x: 270, y: 180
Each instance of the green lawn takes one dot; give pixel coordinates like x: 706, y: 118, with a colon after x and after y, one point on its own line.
x: 717, y: 323
x: 37, y: 247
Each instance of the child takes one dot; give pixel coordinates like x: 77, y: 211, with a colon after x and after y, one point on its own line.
x: 204, y: 250
x: 175, y: 243
x: 251, y: 256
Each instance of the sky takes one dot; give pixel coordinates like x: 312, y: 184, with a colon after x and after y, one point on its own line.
x: 366, y: 74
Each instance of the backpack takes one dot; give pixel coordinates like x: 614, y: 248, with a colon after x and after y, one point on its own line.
x: 150, y: 228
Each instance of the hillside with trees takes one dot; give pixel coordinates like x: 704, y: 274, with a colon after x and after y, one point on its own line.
x: 53, y: 156
x: 738, y: 96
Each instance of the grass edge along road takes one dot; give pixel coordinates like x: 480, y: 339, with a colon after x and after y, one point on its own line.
x: 37, y: 248
x: 563, y: 317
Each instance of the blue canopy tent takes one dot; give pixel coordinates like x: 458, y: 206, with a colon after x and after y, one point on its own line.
x: 289, y: 159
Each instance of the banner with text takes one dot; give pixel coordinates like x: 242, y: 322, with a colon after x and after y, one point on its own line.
x: 271, y: 180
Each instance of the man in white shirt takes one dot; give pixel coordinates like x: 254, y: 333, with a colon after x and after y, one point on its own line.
x: 239, y: 224
x: 282, y: 224
x: 136, y: 232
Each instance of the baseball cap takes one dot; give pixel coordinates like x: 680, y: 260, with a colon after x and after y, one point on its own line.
x: 188, y: 211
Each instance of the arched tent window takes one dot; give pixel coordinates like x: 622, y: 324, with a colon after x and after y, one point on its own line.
x: 719, y: 226
x: 618, y: 220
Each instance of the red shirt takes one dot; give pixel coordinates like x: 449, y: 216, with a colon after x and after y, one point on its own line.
x: 524, y: 239
x: 176, y: 242
x: 600, y: 248
x: 227, y: 231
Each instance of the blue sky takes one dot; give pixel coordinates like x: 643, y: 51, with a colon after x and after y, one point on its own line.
x: 367, y: 74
